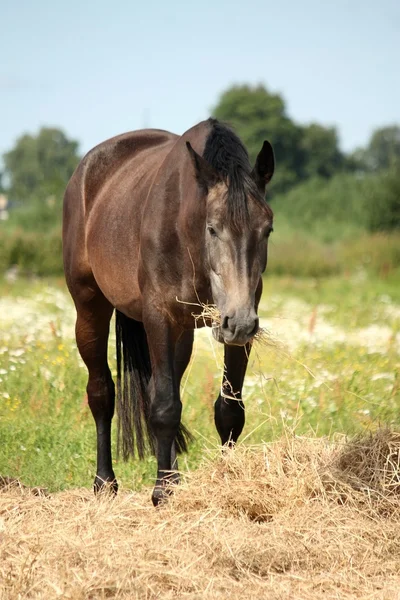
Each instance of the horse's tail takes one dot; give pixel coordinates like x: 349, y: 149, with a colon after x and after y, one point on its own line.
x: 133, y: 400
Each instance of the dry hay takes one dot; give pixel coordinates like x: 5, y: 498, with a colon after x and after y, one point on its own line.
x: 298, y: 518
x: 210, y: 316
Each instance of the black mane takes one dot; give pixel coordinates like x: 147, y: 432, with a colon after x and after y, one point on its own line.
x: 227, y: 154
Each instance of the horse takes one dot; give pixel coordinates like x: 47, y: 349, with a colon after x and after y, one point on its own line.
x: 153, y: 223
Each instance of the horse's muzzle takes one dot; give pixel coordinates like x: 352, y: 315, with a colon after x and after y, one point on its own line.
x: 237, y: 328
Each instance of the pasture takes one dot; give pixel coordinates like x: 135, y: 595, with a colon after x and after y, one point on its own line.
x: 278, y: 517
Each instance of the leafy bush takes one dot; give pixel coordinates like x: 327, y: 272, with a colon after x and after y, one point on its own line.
x: 384, y: 200
x: 37, y: 215
x: 34, y: 253
x: 326, y: 209
x: 344, y: 206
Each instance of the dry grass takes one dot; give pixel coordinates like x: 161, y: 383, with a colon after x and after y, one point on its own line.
x: 300, y: 518
x: 210, y: 316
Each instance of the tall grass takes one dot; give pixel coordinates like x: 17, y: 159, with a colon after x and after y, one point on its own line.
x: 302, y: 256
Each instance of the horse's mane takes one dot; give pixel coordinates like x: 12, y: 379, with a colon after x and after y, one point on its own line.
x: 227, y: 154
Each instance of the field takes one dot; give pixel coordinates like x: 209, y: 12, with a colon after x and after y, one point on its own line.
x: 330, y: 370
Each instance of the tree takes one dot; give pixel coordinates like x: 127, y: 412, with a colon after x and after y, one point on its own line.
x: 300, y: 152
x: 384, y: 199
x: 322, y: 155
x: 257, y: 115
x: 382, y: 151
x: 40, y: 166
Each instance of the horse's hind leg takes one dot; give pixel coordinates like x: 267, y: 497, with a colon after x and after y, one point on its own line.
x: 92, y: 331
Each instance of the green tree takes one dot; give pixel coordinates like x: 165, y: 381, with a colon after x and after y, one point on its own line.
x: 382, y: 152
x: 384, y: 147
x: 323, y: 157
x: 384, y: 199
x: 300, y: 152
x: 40, y: 166
x: 257, y: 115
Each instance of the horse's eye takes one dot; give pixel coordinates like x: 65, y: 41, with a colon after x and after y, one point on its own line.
x: 268, y: 232
x: 211, y: 231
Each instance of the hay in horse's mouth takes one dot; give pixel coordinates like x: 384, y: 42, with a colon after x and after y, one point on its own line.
x: 211, y: 314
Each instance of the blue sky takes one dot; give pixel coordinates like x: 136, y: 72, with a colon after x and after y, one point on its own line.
x: 100, y: 68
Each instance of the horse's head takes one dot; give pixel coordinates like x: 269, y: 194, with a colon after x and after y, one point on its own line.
x: 237, y: 227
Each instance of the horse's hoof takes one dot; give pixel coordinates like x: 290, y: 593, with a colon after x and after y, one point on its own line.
x: 161, y: 493
x: 174, y: 478
x: 105, y: 486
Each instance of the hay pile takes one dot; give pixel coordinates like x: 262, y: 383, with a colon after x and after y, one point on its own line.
x: 299, y: 518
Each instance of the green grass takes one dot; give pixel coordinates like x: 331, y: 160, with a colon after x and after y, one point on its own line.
x: 340, y: 375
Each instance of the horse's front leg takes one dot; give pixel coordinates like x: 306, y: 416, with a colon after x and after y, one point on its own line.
x: 166, y: 406
x: 229, y: 413
x: 183, y: 352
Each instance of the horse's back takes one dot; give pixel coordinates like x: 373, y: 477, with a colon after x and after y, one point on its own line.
x: 105, y: 178
x: 105, y: 160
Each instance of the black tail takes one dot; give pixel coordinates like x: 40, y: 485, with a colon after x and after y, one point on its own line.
x: 133, y: 401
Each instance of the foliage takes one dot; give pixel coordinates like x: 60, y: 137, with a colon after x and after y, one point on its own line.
x: 321, y: 149
x: 346, y: 205
x: 39, y: 166
x: 382, y: 152
x: 257, y: 115
x: 300, y: 152
x: 33, y: 252
x: 384, y: 200
x: 325, y: 209
x: 37, y: 215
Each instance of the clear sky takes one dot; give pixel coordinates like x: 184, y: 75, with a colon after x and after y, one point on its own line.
x: 98, y: 68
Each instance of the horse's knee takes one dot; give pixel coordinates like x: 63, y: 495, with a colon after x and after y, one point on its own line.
x: 101, y: 396
x: 102, y: 385
x: 165, y: 415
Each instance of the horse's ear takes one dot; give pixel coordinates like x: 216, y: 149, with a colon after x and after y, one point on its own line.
x: 264, y: 167
x: 206, y: 175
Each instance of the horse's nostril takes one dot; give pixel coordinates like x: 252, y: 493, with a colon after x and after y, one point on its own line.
x: 225, y: 323
x: 256, y: 326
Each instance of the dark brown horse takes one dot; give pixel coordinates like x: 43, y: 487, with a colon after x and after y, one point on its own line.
x: 151, y: 218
